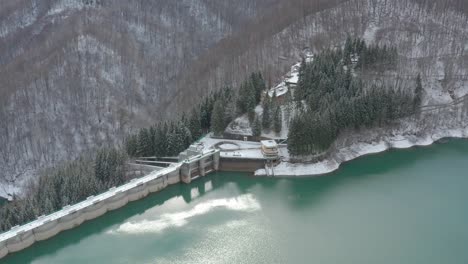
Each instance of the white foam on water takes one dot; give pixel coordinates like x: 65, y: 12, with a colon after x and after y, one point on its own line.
x: 236, y: 224
x: 208, y: 186
x: 246, y: 203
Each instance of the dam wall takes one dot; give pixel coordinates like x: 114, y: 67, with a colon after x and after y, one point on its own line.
x: 45, y: 227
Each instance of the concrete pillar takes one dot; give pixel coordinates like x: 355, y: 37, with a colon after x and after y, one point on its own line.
x: 216, y: 160
x: 185, y: 173
x: 201, y: 167
x: 3, y: 250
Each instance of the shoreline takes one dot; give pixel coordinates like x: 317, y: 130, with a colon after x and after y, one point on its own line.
x: 360, y: 149
x: 346, y: 154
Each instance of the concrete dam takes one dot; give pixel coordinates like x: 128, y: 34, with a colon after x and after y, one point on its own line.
x: 192, y: 164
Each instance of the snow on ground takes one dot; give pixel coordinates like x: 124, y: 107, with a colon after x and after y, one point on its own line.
x: 8, y: 189
x: 461, y: 91
x: 244, y: 154
x: 280, y: 89
x: 291, y: 77
x: 284, y: 130
x: 369, y: 35
x: 240, y: 126
x: 294, y: 79
x: 209, y: 142
x: 286, y: 169
x: 19, y: 19
x: 64, y: 5
x: 228, y: 146
x: 244, y: 149
x: 259, y: 110
x: 402, y: 138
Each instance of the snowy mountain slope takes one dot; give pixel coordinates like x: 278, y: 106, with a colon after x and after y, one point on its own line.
x: 78, y: 74
x: 430, y: 41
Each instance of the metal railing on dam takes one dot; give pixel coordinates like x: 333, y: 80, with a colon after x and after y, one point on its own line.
x: 45, y: 227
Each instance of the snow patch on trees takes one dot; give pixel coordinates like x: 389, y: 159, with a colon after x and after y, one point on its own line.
x: 240, y: 126
x: 65, y: 5
x: 370, y: 33
x: 19, y: 19
x: 433, y: 125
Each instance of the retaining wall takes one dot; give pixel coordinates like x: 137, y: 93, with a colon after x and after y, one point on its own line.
x: 241, y: 164
x: 45, y: 227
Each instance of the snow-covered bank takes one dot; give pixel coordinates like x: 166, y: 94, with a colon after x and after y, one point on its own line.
x: 286, y: 169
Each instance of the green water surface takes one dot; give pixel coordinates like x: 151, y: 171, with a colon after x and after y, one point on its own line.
x: 405, y: 206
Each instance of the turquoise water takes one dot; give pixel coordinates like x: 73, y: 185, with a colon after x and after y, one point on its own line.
x: 406, y: 206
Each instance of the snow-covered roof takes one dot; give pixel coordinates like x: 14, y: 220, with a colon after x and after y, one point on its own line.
x: 281, y: 89
x: 269, y: 143
x: 294, y: 79
x: 296, y: 67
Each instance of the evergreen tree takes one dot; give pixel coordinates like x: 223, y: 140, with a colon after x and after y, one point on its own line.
x: 335, y: 100
x: 100, y: 166
x: 278, y: 120
x: 348, y: 51
x: 172, y: 143
x: 296, y: 140
x: 247, y: 98
x: 266, y: 116
x: 66, y: 184
x: 258, y: 85
x: 145, y: 147
x: 187, y: 137
x: 205, y: 115
x: 418, y: 93
x: 131, y: 145
x: 160, y: 141
x: 195, y: 125
x: 241, y: 100
x: 47, y: 208
x: 303, y: 79
x: 257, y: 127
x: 152, y: 139
x: 217, y: 121
x: 229, y: 112
x: 251, y: 96
x: 251, y: 102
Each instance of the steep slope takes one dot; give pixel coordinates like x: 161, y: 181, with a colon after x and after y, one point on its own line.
x: 78, y: 74
x: 431, y: 37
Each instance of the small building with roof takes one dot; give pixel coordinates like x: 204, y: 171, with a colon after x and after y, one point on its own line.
x: 270, y: 149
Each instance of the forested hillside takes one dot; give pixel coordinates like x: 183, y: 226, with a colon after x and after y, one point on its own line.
x: 332, y: 97
x: 77, y: 75
x: 429, y: 36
